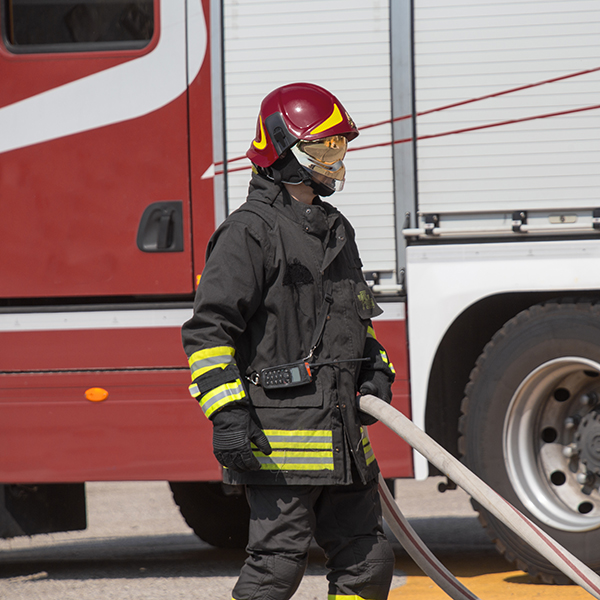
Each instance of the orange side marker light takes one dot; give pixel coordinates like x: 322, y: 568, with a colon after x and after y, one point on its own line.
x: 96, y: 394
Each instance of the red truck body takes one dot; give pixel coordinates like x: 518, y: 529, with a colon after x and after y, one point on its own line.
x: 91, y: 296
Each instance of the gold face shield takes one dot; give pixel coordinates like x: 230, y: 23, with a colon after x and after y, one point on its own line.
x: 327, y: 151
x: 323, y: 160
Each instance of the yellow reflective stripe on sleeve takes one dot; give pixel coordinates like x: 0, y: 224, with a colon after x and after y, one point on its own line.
x: 387, y: 361
x: 194, y: 390
x: 222, y: 395
x: 371, y: 333
x: 331, y: 121
x: 368, y: 450
x: 211, y: 358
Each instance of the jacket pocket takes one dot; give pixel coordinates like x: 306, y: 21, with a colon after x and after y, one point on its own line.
x: 365, y: 304
x: 308, y: 395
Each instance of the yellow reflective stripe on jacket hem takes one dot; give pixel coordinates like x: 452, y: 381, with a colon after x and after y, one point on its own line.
x: 222, y: 395
x: 315, y: 445
x: 325, y: 433
x: 309, y: 439
x: 295, y: 461
x: 205, y: 360
x: 297, y: 450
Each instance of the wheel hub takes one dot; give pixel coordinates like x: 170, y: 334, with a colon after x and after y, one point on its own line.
x: 587, y: 442
x: 552, y: 443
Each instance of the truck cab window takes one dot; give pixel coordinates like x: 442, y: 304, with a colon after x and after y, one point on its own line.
x: 75, y: 25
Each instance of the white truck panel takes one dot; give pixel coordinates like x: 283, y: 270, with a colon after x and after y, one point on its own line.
x: 444, y: 280
x: 475, y: 49
x: 342, y: 45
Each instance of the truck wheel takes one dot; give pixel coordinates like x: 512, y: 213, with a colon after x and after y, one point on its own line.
x: 217, y: 518
x: 531, y: 429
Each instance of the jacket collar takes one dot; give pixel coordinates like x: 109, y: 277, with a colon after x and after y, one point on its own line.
x: 262, y: 189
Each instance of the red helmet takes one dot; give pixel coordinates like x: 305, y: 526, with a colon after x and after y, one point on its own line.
x: 298, y: 116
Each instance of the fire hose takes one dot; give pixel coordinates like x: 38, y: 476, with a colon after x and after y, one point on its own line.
x: 561, y: 558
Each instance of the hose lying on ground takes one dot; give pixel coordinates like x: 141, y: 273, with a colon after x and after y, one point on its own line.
x: 561, y: 558
x: 417, y: 550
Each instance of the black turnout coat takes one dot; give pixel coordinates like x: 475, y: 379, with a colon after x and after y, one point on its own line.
x: 268, y: 268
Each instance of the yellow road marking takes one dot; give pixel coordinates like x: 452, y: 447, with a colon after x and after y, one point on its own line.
x: 490, y: 578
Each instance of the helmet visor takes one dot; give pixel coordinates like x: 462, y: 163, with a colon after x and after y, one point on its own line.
x: 327, y: 151
x: 323, y: 160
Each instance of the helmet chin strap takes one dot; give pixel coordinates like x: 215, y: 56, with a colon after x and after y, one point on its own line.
x: 288, y: 170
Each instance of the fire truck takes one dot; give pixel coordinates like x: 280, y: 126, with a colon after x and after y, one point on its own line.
x: 474, y: 189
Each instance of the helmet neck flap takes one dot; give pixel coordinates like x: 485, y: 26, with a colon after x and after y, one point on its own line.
x: 287, y: 169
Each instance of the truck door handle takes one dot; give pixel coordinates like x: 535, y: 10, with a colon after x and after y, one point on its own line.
x: 161, y: 227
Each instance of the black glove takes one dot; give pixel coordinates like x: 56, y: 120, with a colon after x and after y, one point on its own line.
x: 233, y: 430
x: 378, y: 384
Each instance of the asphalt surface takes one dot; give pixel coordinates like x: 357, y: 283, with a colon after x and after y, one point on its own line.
x: 137, y: 546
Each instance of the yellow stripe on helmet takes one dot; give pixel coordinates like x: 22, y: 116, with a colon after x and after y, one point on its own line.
x: 262, y: 144
x: 331, y: 121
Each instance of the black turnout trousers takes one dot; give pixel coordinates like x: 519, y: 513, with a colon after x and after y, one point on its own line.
x: 345, y: 521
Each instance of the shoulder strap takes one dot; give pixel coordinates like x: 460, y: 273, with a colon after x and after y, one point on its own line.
x: 322, y: 317
x: 263, y: 210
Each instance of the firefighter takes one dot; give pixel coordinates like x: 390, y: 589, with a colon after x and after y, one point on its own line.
x: 280, y: 343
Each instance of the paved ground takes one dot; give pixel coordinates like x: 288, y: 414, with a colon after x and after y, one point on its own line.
x: 137, y: 547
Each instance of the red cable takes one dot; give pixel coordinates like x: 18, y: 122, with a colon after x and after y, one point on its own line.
x: 486, y: 97
x: 454, y: 105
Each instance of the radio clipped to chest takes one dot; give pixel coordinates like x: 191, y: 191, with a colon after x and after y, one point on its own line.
x: 282, y: 376
x: 294, y: 374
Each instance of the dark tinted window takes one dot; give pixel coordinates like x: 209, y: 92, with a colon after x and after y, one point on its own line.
x: 73, y: 26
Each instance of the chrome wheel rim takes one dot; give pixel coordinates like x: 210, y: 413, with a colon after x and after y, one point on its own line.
x: 551, y: 443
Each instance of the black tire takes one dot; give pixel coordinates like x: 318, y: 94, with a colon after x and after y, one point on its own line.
x: 217, y: 518
x: 530, y: 403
